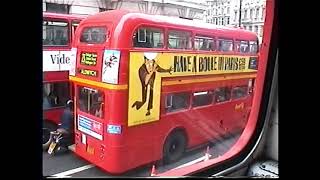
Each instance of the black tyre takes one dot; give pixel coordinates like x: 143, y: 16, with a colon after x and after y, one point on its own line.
x: 174, y: 147
x: 46, y: 129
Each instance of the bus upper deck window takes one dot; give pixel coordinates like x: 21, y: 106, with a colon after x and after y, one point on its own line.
x: 225, y: 45
x: 148, y: 37
x: 55, y: 33
x: 179, y: 40
x: 242, y: 46
x: 253, y: 47
x: 93, y: 35
x: 204, y: 43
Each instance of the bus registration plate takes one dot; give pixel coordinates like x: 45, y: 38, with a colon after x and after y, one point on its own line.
x: 90, y: 150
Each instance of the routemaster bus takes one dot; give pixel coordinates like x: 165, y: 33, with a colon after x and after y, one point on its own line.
x: 150, y: 87
x: 58, y: 32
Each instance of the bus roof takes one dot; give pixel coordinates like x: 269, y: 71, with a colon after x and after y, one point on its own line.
x: 63, y: 16
x: 121, y: 17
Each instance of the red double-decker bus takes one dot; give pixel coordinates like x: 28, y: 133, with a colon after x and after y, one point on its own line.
x: 58, y: 32
x: 150, y: 87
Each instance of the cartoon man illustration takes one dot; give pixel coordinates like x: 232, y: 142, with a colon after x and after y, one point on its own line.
x: 147, y: 75
x: 111, y: 61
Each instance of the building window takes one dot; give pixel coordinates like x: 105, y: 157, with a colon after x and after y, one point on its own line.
x: 256, y: 29
x: 228, y: 10
x: 261, y: 30
x: 263, y: 13
x: 245, y: 14
x: 257, y: 13
x: 250, y: 28
x: 242, y: 17
x: 235, y: 15
x: 251, y: 13
x: 104, y: 9
x: 228, y: 20
x: 57, y: 8
x: 222, y: 21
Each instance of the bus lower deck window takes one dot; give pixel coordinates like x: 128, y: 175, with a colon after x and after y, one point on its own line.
x: 202, y: 98
x: 177, y: 101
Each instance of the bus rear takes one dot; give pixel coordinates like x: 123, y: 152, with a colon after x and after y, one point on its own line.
x: 100, y: 98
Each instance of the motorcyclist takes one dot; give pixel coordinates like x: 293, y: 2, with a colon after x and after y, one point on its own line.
x: 67, y: 117
x: 66, y: 127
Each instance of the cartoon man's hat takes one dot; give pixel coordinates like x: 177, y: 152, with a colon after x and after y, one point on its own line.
x: 150, y: 55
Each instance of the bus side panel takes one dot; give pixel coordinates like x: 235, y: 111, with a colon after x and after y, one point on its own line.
x: 53, y: 115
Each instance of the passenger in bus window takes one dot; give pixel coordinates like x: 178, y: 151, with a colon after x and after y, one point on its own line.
x: 45, y: 104
x: 59, y: 38
x: 53, y: 99
x: 98, y: 109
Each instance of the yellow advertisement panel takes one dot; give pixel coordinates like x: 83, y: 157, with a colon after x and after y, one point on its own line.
x: 147, y: 69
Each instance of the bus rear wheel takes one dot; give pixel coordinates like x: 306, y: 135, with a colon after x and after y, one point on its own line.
x: 46, y: 129
x: 174, y: 147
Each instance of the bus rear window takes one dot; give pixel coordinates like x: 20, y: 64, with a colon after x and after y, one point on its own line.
x: 93, y: 35
x: 91, y: 101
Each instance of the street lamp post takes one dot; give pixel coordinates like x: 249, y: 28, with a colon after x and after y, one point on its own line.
x: 240, y: 13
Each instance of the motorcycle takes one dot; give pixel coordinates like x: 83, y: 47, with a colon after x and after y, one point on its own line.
x: 55, y: 138
x: 59, y: 141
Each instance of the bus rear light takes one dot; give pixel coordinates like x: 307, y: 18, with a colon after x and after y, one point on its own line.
x: 102, y: 148
x: 77, y: 139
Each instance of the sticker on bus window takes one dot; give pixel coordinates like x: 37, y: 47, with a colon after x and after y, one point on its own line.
x: 110, y: 67
x: 89, y: 59
x: 90, y: 127
x: 114, y: 129
x: 253, y: 64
